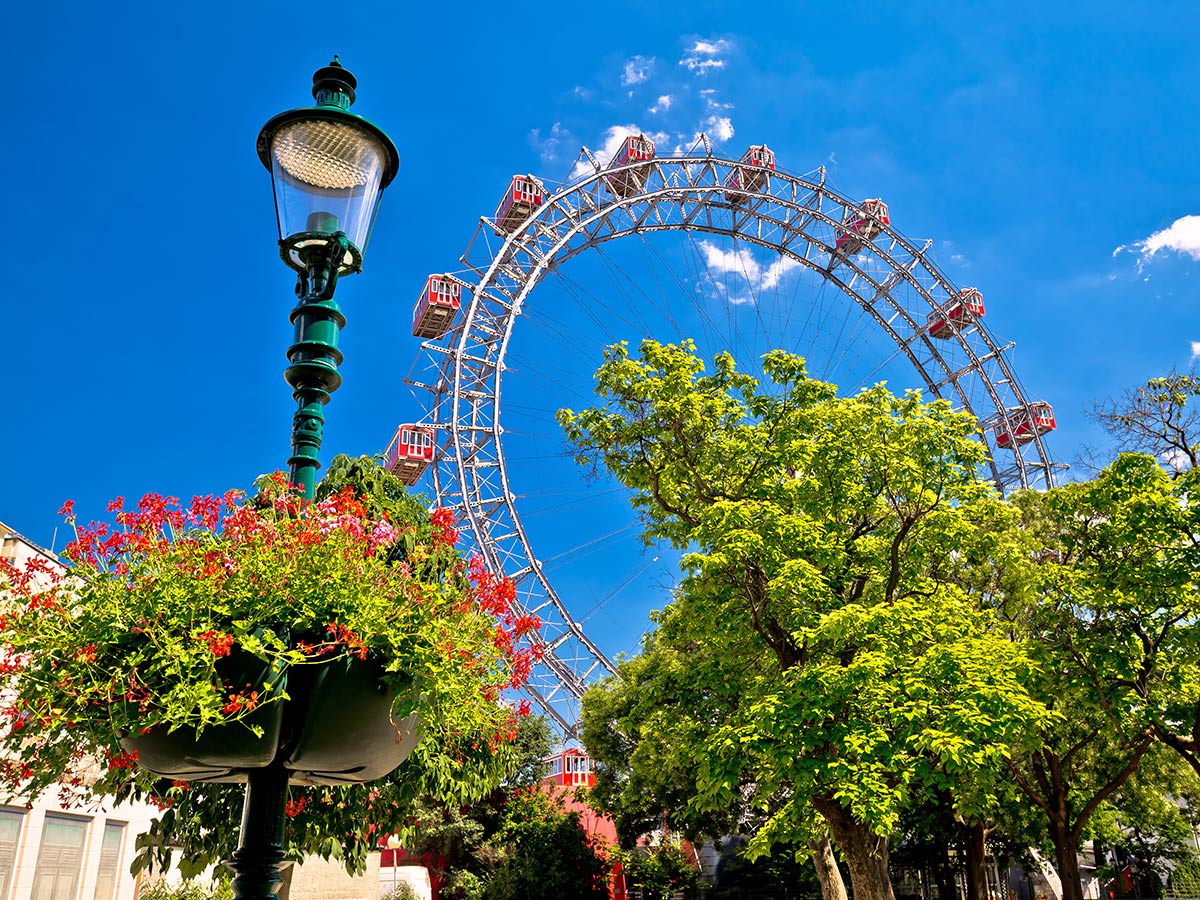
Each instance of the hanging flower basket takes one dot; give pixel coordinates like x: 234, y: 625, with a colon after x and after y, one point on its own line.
x: 167, y: 649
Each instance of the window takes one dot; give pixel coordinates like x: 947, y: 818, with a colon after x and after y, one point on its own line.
x: 60, y: 858
x: 10, y: 836
x: 110, y: 861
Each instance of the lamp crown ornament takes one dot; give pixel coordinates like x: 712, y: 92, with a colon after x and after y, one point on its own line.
x: 334, y: 85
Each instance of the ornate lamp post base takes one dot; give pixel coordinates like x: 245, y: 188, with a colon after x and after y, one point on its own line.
x: 258, y: 860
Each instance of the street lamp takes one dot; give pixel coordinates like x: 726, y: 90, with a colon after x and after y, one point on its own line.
x: 328, y: 169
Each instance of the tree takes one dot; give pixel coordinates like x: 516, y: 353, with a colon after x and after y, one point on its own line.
x: 661, y: 871
x: 1111, y: 602
x: 845, y: 665
x: 1156, y: 418
x: 1152, y: 819
x: 545, y: 854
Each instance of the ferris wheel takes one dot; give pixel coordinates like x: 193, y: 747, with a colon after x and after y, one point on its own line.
x: 736, y: 253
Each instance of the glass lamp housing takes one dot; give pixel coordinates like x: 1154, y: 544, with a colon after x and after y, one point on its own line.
x: 327, y: 176
x: 328, y: 168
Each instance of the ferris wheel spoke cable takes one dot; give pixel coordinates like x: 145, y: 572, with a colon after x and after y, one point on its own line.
x: 631, y: 576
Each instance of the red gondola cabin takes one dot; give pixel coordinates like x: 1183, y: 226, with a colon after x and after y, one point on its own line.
x: 410, y: 453
x: 751, y: 175
x: 861, y: 225
x: 636, y: 148
x: 1025, y: 425
x: 524, y: 195
x: 436, y: 307
x: 958, y: 313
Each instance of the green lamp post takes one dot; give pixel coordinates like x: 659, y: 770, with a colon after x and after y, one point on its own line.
x: 328, y: 168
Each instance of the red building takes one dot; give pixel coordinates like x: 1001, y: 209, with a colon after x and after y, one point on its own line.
x: 573, y: 768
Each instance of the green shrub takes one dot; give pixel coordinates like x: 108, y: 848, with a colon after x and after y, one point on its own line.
x: 186, y: 890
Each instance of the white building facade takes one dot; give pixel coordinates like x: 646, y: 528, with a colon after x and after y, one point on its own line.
x: 51, y: 853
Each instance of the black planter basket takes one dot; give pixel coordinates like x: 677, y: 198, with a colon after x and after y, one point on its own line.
x: 335, y: 728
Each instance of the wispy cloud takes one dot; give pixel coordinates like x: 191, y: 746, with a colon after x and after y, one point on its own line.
x: 776, y: 270
x: 547, y: 147
x: 740, y: 261
x: 663, y: 104
x: 704, y: 56
x: 956, y: 256
x: 1195, y: 350
x: 710, y: 48
x: 1182, y: 236
x: 719, y: 127
x: 637, y: 70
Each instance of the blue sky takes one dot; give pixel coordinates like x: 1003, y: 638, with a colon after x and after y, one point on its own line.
x: 1050, y: 151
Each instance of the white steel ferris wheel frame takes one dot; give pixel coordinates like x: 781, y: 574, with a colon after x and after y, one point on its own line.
x: 799, y: 217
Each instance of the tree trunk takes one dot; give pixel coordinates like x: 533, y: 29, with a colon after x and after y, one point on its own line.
x: 973, y: 846
x: 866, y: 852
x: 1065, y: 859
x: 828, y: 873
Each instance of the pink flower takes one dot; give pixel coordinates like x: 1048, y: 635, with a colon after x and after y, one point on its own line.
x: 382, y: 535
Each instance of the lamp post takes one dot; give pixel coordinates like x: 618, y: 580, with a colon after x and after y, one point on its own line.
x: 328, y: 169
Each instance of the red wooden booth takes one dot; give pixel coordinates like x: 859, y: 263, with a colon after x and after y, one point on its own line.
x: 751, y: 175
x: 410, y: 453
x: 634, y: 149
x: 436, y: 307
x: 862, y: 225
x: 524, y: 195
x: 964, y: 309
x: 1025, y: 424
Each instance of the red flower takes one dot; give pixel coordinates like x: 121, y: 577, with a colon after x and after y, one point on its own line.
x: 219, y: 644
x: 67, y: 510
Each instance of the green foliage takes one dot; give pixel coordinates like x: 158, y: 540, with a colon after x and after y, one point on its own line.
x: 821, y: 645
x: 777, y: 874
x: 134, y: 638
x: 186, y: 890
x: 402, y: 892
x: 457, y: 842
x: 661, y: 871
x: 546, y: 854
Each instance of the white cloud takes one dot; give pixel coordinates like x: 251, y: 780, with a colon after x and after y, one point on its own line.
x: 776, y: 271
x: 702, y: 56
x: 1195, y: 350
x: 720, y: 127
x: 1177, y: 460
x: 701, y: 66
x: 740, y: 261
x: 663, y: 104
x: 637, y: 70
x: 547, y: 147
x: 1183, y: 236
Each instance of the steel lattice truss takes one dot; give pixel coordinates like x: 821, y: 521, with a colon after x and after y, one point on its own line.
x: 798, y: 216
